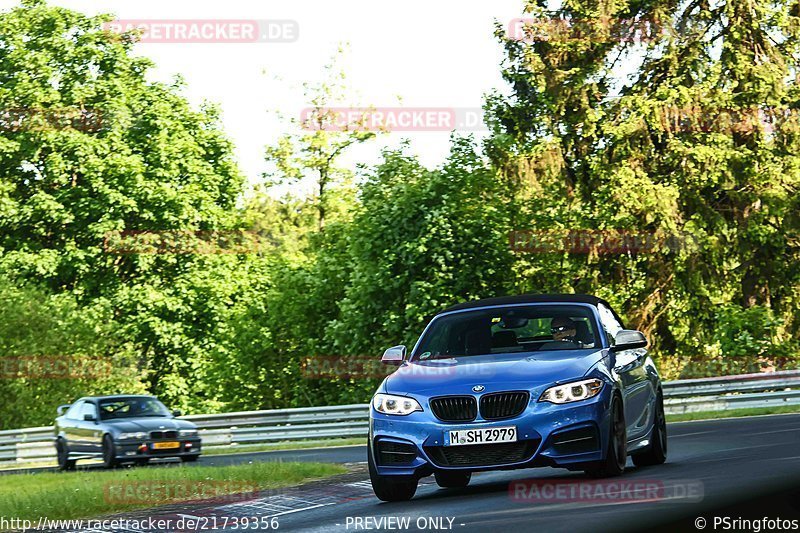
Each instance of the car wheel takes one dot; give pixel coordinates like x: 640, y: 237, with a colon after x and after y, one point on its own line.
x: 617, y: 451
x: 656, y: 453
x: 190, y: 458
x: 109, y: 452
x: 452, y: 480
x: 62, y: 453
x: 390, y: 488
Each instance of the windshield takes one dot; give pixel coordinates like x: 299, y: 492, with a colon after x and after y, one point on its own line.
x: 131, y: 408
x: 535, y: 328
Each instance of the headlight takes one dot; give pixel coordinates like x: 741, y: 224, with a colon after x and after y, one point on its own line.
x: 572, y: 392
x: 187, y: 433
x: 395, y: 405
x: 139, y: 435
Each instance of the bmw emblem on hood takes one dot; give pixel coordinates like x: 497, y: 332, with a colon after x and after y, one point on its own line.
x: 478, y: 388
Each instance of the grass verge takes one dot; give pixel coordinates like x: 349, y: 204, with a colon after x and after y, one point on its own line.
x: 733, y: 413
x: 251, y: 448
x: 327, y: 443
x: 89, y: 493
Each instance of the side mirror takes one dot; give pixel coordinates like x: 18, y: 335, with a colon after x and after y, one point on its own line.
x: 394, y: 356
x: 176, y: 413
x: 63, y: 409
x: 628, y: 339
x: 630, y: 343
x: 89, y: 418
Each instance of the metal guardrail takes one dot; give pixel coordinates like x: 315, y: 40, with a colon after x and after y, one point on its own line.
x: 732, y: 392
x: 238, y: 430
x: 224, y: 430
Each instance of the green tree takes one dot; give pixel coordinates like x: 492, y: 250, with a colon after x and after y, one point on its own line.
x: 422, y: 240
x: 147, y: 162
x: 327, y: 132
x: 153, y: 163
x: 678, y: 149
x: 53, y: 351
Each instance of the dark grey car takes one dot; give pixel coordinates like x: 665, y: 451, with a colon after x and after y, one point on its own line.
x: 120, y: 429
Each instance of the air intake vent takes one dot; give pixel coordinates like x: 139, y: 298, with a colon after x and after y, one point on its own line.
x: 395, y: 453
x: 581, y: 440
x: 482, y: 454
x: 455, y: 408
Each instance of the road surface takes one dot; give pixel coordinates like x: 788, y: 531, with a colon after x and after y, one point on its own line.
x: 712, y: 464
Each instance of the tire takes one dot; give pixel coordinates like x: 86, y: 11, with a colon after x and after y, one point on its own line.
x: 109, y: 452
x: 453, y: 480
x: 190, y: 458
x: 390, y: 488
x: 617, y: 452
x: 62, y: 453
x: 656, y: 452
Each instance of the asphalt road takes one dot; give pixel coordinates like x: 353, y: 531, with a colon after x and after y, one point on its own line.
x: 715, y: 466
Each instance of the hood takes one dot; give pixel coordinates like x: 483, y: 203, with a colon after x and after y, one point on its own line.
x: 148, y: 423
x: 498, y: 372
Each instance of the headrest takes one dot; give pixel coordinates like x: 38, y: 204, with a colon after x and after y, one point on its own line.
x: 504, y: 339
x: 477, y: 342
x: 582, y: 333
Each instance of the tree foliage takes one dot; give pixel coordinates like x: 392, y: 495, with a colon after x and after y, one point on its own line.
x: 148, y: 162
x: 696, y: 150
x: 699, y: 143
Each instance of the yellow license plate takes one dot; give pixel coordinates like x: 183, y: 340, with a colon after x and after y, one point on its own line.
x: 165, y: 445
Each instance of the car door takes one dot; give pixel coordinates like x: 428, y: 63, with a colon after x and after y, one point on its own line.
x: 68, y: 426
x: 637, y: 390
x: 89, y: 431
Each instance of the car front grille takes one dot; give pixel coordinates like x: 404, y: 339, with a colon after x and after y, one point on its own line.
x: 482, y: 454
x: 163, y: 434
x: 455, y: 408
x: 503, y: 404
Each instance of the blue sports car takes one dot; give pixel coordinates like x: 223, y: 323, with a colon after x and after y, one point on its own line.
x: 516, y: 382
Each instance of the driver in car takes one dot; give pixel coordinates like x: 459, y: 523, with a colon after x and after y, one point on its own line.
x: 563, y: 329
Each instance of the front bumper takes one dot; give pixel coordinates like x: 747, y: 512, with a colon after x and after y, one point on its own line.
x: 568, y: 436
x: 145, y: 449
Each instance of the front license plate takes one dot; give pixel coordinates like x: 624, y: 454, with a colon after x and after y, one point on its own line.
x: 165, y: 445
x: 461, y: 437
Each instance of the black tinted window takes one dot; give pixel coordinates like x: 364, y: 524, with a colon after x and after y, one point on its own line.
x: 509, y: 330
x: 132, y: 408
